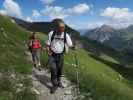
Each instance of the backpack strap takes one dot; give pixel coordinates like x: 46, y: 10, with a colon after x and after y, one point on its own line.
x: 53, y: 35
x: 64, y: 42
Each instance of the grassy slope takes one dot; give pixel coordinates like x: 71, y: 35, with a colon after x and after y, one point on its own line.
x: 12, y: 48
x: 102, y: 81
x: 13, y: 62
x: 129, y: 36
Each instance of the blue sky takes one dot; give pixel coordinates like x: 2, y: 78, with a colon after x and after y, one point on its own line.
x: 79, y: 14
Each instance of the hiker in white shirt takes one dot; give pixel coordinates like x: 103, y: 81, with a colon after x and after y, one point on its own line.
x: 57, y: 43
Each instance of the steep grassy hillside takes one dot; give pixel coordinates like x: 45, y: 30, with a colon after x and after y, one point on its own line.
x: 96, y: 78
x: 12, y: 42
x: 14, y: 69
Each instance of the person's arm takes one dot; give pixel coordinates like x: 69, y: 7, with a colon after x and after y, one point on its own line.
x: 69, y: 42
x: 30, y: 42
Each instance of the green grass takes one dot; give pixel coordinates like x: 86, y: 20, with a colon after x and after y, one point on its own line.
x: 108, y: 58
x: 13, y: 62
x: 102, y: 81
x: 129, y: 36
x: 12, y: 49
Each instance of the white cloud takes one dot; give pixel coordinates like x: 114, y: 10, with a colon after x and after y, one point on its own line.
x: 36, y: 13
x: 34, y: 17
x: 80, y: 8
x: 84, y: 25
x: 47, y: 2
x: 29, y: 19
x: 118, y: 16
x: 70, y: 23
x: 61, y: 12
x: 3, y: 12
x: 11, y: 8
x: 55, y: 12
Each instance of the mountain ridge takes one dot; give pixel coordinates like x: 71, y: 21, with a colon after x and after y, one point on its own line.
x: 107, y: 35
x: 44, y: 27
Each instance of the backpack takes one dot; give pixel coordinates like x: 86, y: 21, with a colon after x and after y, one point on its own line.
x: 52, y: 38
x: 35, y: 44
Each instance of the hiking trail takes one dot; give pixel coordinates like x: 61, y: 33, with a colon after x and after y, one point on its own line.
x: 42, y: 83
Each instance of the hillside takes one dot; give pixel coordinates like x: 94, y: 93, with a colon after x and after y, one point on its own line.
x: 44, y: 27
x: 105, y: 52
x: 98, y: 80
x: 14, y: 68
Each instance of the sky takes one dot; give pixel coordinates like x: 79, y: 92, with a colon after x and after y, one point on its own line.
x: 79, y: 14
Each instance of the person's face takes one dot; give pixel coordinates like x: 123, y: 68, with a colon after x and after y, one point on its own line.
x: 35, y: 37
x: 61, y: 29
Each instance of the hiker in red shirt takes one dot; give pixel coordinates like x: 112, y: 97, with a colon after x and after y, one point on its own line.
x: 35, y: 50
x: 31, y: 37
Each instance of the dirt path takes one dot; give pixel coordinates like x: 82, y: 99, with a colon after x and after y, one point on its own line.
x: 42, y: 84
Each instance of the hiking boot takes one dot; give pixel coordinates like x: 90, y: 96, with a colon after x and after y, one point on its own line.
x: 39, y: 66
x: 60, y: 85
x: 53, y: 89
x: 35, y: 65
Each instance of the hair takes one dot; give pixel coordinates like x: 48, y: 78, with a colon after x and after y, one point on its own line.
x: 32, y: 35
x: 56, y: 23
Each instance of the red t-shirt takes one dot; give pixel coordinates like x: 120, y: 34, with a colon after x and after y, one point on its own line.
x: 36, y: 44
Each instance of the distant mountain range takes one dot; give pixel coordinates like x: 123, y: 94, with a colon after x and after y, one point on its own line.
x: 117, y: 38
x: 44, y: 27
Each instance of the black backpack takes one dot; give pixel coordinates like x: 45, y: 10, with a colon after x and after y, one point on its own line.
x: 53, y: 36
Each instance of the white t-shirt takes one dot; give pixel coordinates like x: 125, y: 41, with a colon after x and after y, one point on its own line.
x: 57, y: 45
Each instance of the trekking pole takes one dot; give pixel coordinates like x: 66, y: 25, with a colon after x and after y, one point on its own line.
x: 77, y: 73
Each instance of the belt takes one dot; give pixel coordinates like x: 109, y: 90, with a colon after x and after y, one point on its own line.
x: 57, y: 54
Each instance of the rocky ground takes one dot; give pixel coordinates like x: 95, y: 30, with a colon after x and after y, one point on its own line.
x: 42, y: 85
